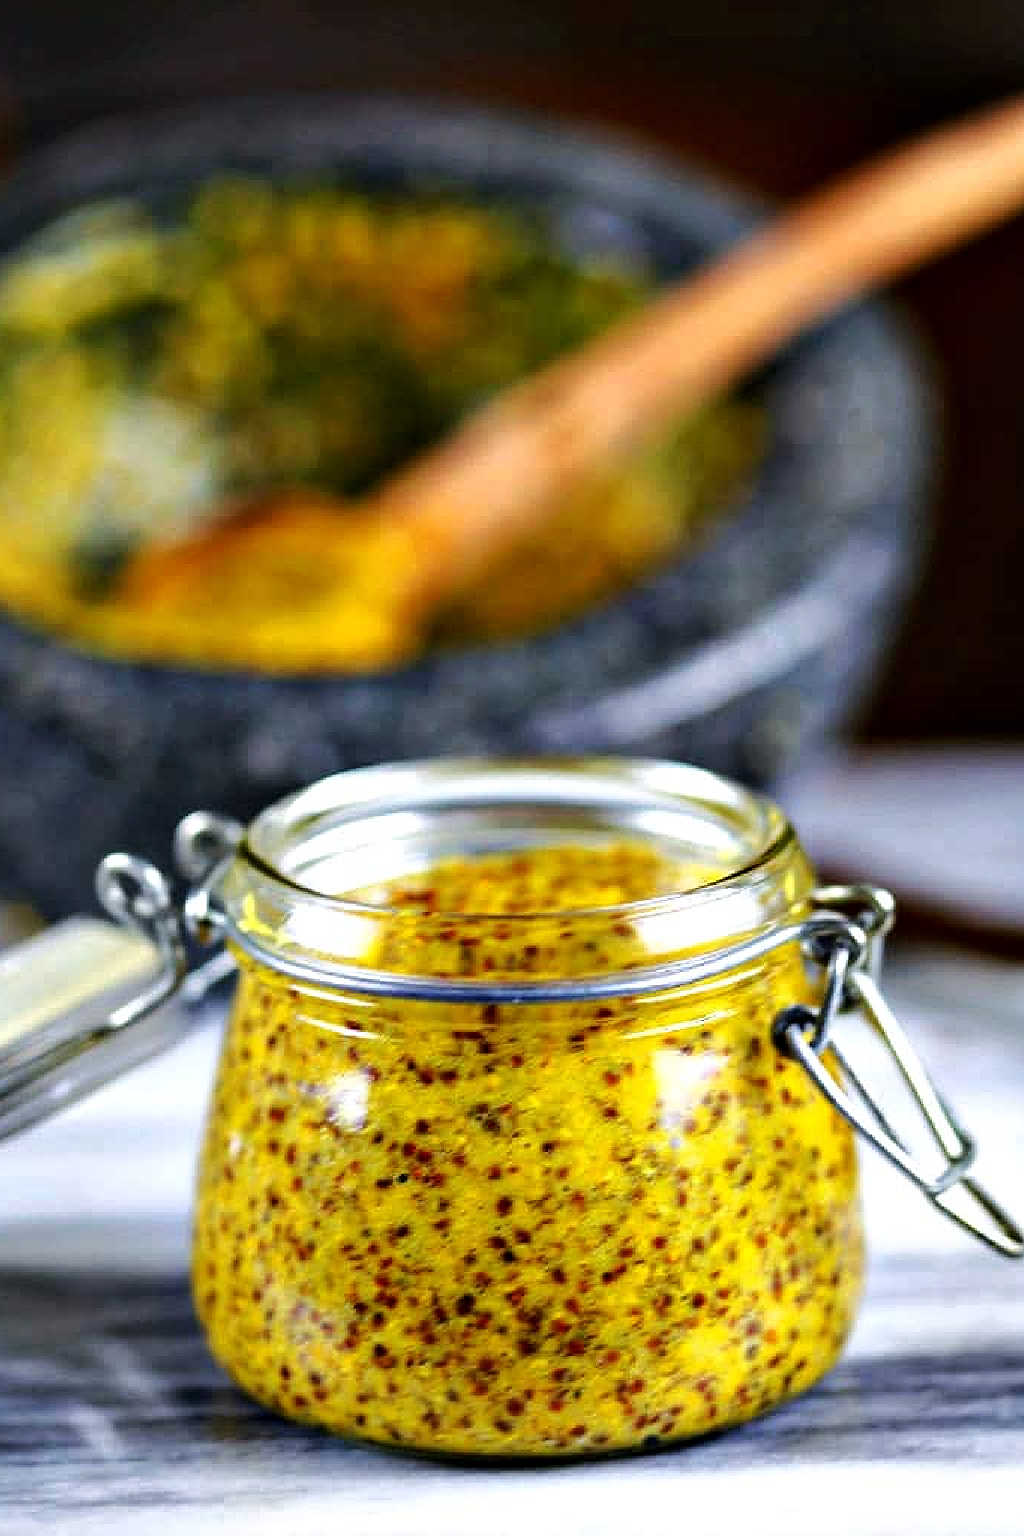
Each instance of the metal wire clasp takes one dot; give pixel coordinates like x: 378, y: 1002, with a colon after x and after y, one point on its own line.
x: 137, y: 894
x: 851, y: 957
x: 107, y: 1012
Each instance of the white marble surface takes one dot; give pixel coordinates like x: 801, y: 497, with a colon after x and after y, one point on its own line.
x: 114, y: 1419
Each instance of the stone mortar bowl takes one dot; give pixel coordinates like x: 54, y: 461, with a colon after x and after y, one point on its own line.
x: 745, y: 653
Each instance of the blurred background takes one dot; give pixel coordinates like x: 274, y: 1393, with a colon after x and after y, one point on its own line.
x: 772, y: 98
x: 776, y: 96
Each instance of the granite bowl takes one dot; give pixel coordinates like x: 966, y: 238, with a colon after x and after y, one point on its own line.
x: 744, y: 654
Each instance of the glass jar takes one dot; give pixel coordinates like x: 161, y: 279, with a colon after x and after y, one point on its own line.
x: 529, y: 1135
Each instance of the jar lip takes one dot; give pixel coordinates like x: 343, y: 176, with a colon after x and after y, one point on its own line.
x: 684, y: 783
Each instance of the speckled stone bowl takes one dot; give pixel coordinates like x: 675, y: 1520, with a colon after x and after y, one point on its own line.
x: 749, y: 650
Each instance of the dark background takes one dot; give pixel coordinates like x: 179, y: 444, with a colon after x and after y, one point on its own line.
x: 776, y: 95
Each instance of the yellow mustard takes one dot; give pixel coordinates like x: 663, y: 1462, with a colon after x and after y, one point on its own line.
x: 503, y: 1229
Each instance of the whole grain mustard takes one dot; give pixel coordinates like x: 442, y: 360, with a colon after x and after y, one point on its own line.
x: 193, y: 407
x: 523, y: 1229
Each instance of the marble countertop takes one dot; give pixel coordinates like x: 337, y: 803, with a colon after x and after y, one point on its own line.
x: 113, y: 1418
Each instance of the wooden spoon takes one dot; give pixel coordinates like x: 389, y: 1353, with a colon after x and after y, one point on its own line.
x: 494, y: 480
x: 376, y: 577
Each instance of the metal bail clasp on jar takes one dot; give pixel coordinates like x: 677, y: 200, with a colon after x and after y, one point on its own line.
x: 852, y: 961
x: 86, y: 1000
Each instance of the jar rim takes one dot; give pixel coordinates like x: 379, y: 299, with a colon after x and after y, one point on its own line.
x: 287, y: 921
x: 283, y: 828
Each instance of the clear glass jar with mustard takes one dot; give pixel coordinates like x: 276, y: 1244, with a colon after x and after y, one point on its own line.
x: 533, y: 1129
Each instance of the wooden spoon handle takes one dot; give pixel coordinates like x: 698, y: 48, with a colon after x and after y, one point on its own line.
x: 494, y: 480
